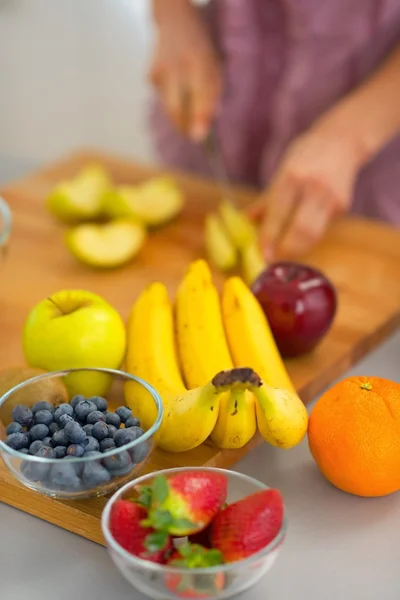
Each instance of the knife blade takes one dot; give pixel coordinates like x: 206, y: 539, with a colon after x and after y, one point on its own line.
x: 217, y: 165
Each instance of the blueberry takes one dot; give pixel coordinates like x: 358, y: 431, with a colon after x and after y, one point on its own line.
x: 74, y: 432
x: 34, y: 471
x: 125, y: 436
x: 90, y: 444
x: 13, y: 428
x: 22, y: 415
x: 113, y: 419
x: 45, y: 452
x: 63, y: 474
x: 95, y: 474
x: 124, y: 413
x: 60, y: 438
x: 111, y: 431
x: 23, y: 450
x: 132, y: 422
x: 42, y: 406
x: 47, y: 440
x: 84, y: 408
x: 60, y: 451
x: 35, y: 446
x: 92, y: 454
x: 64, y: 419
x: 118, y: 464
x: 101, y: 403
x: 100, y: 430
x: 107, y: 444
x: 139, y: 452
x: 88, y: 429
x: 76, y: 399
x: 75, y: 450
x: 138, y: 431
x: 53, y: 427
x: 44, y: 417
x: 38, y: 432
x: 95, y: 416
x: 63, y: 409
x: 16, y: 441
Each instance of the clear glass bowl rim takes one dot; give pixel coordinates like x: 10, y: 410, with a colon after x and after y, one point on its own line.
x: 6, y: 214
x: 116, y: 372
x: 165, y: 569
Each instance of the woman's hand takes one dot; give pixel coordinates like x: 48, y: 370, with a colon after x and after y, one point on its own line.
x: 314, y: 182
x: 185, y: 67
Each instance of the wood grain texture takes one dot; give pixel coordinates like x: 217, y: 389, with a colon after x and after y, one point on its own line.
x: 361, y: 257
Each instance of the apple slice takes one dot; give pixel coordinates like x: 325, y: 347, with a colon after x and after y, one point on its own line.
x: 154, y: 202
x: 252, y: 262
x: 219, y: 247
x: 108, y: 245
x: 238, y: 225
x: 80, y: 198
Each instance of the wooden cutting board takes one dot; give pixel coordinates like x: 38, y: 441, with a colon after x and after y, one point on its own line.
x: 361, y: 257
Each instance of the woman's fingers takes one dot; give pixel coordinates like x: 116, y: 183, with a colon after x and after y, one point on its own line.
x: 205, y: 90
x: 308, y: 224
x: 280, y: 203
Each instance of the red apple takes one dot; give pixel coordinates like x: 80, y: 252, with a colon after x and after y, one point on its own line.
x: 300, y: 304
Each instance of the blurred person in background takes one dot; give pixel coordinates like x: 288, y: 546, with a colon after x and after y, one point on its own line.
x: 305, y: 97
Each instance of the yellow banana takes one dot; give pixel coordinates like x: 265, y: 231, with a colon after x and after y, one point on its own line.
x: 151, y: 352
x: 202, y: 345
x: 249, y: 336
x: 282, y: 418
x: 236, y: 423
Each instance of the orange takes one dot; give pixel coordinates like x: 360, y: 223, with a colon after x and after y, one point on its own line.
x: 354, y: 435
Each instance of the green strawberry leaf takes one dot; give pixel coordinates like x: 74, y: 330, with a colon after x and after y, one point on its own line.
x: 145, y: 498
x: 160, y: 489
x: 156, y: 541
x: 160, y: 519
x: 196, y: 556
x: 183, y: 524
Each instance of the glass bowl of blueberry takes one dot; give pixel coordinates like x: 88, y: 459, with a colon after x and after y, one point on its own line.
x: 65, y: 445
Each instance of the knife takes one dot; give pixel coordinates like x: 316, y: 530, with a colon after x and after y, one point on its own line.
x: 217, y: 165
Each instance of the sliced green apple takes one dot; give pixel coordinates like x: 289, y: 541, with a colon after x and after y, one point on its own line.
x: 80, y: 198
x: 238, y: 225
x: 154, y: 202
x: 219, y: 248
x: 252, y: 262
x: 107, y: 245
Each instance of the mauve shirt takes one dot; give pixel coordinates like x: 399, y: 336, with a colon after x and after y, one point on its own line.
x: 285, y: 63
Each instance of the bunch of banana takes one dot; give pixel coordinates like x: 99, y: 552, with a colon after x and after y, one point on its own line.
x: 180, y: 357
x: 190, y: 415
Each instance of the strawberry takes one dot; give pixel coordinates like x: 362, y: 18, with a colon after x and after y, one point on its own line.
x: 126, y: 527
x: 245, y: 527
x: 190, y: 584
x: 184, y: 503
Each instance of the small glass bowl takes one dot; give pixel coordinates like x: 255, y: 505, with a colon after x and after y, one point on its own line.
x: 5, y: 227
x: 213, y: 583
x: 55, y: 477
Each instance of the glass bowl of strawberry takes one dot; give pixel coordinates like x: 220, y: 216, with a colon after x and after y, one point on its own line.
x: 194, y: 532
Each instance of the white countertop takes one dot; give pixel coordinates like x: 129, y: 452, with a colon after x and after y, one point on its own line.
x: 338, y: 547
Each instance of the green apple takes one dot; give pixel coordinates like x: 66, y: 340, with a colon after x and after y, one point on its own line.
x: 239, y: 227
x: 80, y: 198
x: 107, y: 245
x: 219, y: 247
x: 154, y: 202
x: 73, y: 329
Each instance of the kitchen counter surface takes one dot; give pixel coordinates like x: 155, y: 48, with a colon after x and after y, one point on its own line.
x: 338, y: 547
